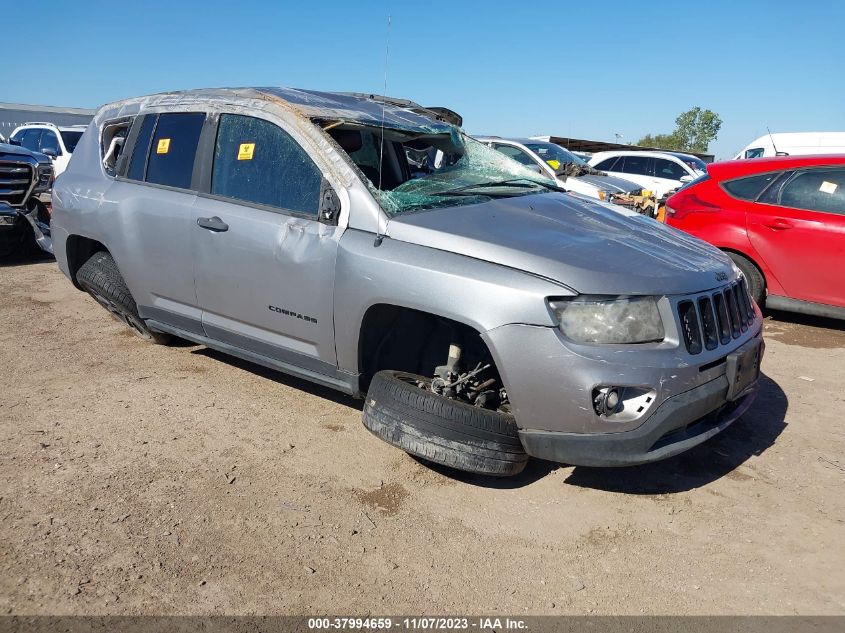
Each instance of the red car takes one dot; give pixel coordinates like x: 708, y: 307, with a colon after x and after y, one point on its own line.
x: 782, y: 221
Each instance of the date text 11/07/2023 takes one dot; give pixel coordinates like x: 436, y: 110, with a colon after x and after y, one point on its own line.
x: 417, y: 624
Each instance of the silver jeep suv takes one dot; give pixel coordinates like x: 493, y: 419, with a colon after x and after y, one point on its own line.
x: 368, y: 244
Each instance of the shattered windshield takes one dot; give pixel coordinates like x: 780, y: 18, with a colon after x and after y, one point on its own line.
x: 409, y: 171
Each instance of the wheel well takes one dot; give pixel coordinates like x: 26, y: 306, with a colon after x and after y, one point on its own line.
x: 750, y: 259
x: 79, y: 250
x: 403, y: 339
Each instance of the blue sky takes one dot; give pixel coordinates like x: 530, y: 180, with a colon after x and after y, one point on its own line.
x: 586, y: 69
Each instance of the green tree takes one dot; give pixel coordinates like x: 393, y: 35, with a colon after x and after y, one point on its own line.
x: 695, y: 129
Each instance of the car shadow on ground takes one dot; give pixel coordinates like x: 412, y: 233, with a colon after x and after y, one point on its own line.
x: 282, y: 378
x: 39, y: 257
x: 751, y: 435
x: 535, y: 470
x: 825, y: 323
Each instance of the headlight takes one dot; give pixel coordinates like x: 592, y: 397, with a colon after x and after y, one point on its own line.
x: 609, y: 320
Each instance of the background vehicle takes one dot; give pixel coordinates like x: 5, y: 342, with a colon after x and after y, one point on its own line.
x: 57, y: 142
x: 660, y: 172
x: 782, y: 221
x: 794, y: 144
x: 286, y: 227
x: 570, y: 171
x: 24, y: 219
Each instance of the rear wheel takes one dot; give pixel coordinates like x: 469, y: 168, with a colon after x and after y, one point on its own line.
x: 752, y: 274
x: 100, y: 278
x: 442, y: 430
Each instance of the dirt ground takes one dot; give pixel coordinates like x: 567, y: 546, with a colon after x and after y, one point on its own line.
x: 137, y: 479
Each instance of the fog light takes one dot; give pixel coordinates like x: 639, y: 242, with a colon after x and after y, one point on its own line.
x: 605, y: 400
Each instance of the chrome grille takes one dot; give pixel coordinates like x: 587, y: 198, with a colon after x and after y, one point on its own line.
x: 15, y: 182
x: 716, y: 318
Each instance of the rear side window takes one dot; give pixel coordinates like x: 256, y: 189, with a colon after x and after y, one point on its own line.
x: 816, y: 190
x: 70, y: 139
x: 640, y: 165
x: 138, y: 162
x: 174, y: 148
x: 258, y: 162
x: 750, y: 187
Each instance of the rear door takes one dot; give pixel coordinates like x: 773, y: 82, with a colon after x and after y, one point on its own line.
x: 798, y: 227
x: 264, y: 260
x: 156, y: 191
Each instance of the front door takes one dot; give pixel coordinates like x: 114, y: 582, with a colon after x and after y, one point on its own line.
x: 799, y: 230
x: 264, y: 262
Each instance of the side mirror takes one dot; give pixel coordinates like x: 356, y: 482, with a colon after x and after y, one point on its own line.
x: 49, y: 151
x: 329, y: 203
x: 15, y: 141
x: 686, y: 178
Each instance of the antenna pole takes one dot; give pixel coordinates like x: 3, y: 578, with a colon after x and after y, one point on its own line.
x: 379, y: 237
x: 772, y: 139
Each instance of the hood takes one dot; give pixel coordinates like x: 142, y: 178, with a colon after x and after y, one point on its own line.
x: 611, y: 183
x: 7, y: 149
x: 591, y: 248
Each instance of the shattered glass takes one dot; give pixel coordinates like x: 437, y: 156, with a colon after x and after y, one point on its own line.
x: 445, y: 170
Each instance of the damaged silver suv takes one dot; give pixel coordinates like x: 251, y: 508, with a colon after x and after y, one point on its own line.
x: 368, y: 244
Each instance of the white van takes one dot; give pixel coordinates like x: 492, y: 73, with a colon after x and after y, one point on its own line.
x: 794, y: 144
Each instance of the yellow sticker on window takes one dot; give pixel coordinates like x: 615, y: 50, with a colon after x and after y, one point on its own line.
x: 554, y: 164
x: 245, y: 151
x: 163, y: 146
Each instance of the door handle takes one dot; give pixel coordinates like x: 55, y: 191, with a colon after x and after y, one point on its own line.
x: 213, y: 224
x: 778, y: 224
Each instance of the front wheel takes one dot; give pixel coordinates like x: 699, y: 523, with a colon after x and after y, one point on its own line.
x: 440, y: 429
x: 100, y: 278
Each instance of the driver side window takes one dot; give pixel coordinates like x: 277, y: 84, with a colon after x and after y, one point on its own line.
x: 256, y: 161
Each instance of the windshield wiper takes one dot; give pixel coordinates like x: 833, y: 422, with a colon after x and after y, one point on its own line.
x: 512, y: 182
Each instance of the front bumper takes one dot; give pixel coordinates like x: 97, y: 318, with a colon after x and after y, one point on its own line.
x: 678, y: 424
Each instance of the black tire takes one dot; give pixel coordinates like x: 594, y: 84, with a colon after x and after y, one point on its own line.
x: 440, y: 430
x: 16, y: 241
x: 100, y: 278
x: 755, y: 279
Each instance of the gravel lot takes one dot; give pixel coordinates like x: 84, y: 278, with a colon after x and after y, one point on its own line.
x: 137, y: 479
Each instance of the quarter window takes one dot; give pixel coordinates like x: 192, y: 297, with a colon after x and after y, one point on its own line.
x: 258, y: 162
x: 607, y: 164
x: 816, y: 190
x: 750, y: 187
x: 174, y: 148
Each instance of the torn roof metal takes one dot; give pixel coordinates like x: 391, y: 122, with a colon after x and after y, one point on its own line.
x: 364, y: 109
x: 360, y: 108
